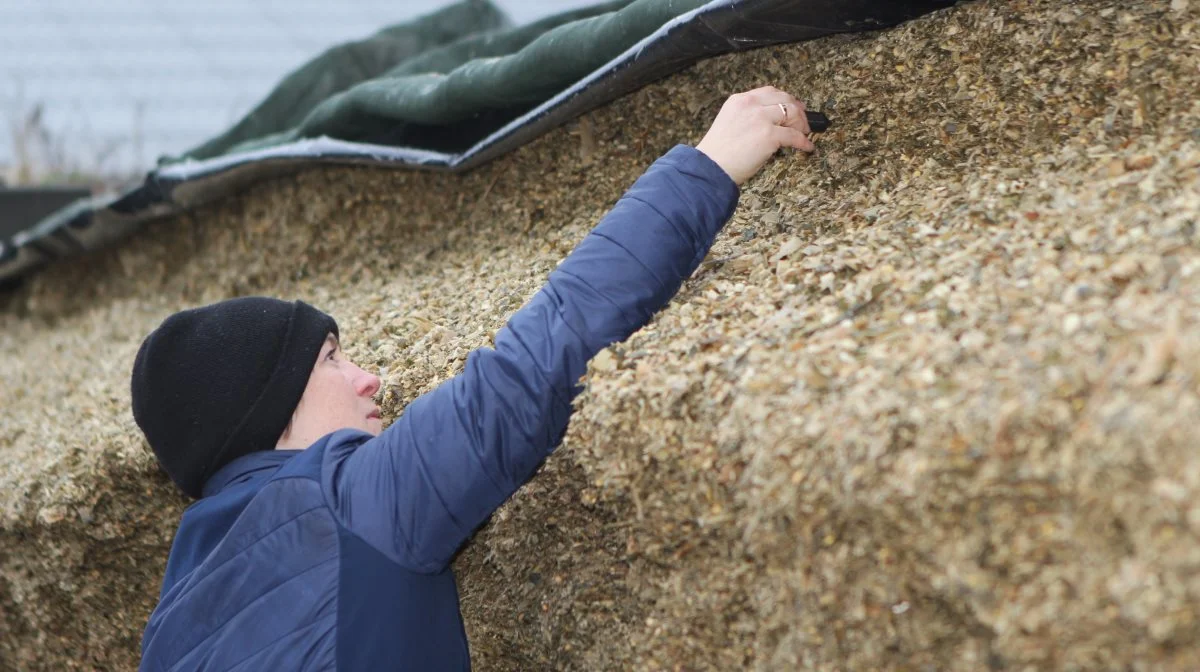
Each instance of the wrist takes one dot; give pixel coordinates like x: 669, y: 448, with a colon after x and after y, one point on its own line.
x: 714, y: 156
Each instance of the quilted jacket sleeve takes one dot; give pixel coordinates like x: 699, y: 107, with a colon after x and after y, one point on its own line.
x: 419, y: 489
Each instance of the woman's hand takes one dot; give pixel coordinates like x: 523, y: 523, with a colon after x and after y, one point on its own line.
x: 751, y: 127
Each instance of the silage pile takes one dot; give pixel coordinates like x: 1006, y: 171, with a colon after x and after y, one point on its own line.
x: 930, y: 403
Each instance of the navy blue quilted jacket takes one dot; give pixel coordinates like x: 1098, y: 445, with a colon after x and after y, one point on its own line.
x: 337, y: 557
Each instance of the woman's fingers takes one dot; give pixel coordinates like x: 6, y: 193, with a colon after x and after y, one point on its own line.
x: 769, y: 95
x: 791, y: 137
x: 772, y: 115
x: 797, y: 118
x: 751, y: 127
x: 789, y: 114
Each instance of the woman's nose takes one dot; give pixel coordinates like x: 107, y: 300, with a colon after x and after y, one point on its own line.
x: 367, y: 384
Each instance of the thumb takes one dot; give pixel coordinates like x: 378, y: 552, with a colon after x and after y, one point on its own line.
x: 790, y: 137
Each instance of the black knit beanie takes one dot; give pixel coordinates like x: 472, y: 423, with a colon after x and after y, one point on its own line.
x: 214, y: 383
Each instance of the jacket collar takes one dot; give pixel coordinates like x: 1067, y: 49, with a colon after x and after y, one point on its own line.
x: 256, y: 466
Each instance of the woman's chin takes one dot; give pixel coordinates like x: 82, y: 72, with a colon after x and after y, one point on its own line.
x: 374, y: 426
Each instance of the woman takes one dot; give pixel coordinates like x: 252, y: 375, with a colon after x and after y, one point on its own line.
x: 320, y: 542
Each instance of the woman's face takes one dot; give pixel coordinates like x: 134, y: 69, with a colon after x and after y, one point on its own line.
x: 338, y: 396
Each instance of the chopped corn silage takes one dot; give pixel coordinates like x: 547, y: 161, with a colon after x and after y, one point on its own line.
x: 930, y: 403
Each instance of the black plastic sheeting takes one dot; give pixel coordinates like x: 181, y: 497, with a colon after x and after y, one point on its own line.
x: 718, y: 27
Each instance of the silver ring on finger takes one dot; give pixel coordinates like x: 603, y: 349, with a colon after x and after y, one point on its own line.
x: 783, y: 107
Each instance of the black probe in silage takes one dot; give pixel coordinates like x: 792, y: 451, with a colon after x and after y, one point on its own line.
x: 817, y: 122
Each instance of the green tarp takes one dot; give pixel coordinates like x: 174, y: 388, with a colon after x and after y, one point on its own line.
x: 457, y: 65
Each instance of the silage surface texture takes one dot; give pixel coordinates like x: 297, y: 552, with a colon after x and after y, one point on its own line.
x: 930, y: 404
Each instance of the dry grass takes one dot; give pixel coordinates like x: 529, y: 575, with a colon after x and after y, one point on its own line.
x: 929, y: 404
